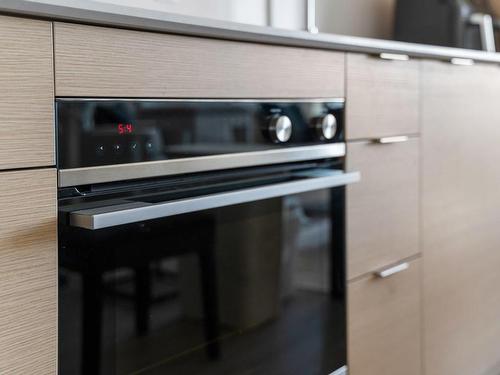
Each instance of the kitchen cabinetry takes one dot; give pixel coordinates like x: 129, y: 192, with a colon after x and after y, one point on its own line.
x: 28, y: 272
x: 460, y: 218
x: 384, y: 323
x: 382, y: 97
x: 382, y: 214
x: 26, y: 94
x: 382, y: 128
x: 106, y: 62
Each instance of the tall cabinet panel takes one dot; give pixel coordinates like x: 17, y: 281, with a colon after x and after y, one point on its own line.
x: 28, y: 272
x: 461, y: 218
x: 26, y: 93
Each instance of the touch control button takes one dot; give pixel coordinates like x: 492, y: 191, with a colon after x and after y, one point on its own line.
x: 149, y: 147
x: 100, y: 150
x: 134, y: 147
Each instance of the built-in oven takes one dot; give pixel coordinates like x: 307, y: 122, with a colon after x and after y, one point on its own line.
x: 201, y: 236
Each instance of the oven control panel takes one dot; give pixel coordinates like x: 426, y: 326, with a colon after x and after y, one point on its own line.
x: 97, y: 132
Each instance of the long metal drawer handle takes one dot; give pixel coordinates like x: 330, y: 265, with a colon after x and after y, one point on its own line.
x: 134, y: 211
x: 392, y: 270
x: 390, y: 140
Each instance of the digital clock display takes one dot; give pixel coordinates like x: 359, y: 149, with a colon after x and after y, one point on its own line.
x: 125, y: 129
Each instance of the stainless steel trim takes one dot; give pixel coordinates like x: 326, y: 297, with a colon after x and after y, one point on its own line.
x: 110, y: 216
x: 110, y: 173
x: 392, y: 270
x: 390, y: 140
x: 340, y: 371
x: 206, y: 100
x: 394, y: 56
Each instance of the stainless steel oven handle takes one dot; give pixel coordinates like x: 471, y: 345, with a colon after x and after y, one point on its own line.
x: 133, y: 212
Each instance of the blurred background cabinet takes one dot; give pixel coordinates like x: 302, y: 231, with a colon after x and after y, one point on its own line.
x: 460, y: 218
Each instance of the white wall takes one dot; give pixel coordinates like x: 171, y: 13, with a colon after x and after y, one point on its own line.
x: 286, y: 14
x: 244, y: 11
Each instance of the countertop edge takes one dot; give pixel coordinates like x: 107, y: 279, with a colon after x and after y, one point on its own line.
x: 97, y: 13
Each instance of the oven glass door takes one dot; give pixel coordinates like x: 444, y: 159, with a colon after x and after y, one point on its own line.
x: 253, y: 288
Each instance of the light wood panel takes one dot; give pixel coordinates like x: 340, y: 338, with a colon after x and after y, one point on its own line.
x: 384, y: 324
x: 28, y: 272
x: 97, y: 61
x: 460, y: 210
x: 26, y: 93
x: 382, y: 209
x: 382, y: 97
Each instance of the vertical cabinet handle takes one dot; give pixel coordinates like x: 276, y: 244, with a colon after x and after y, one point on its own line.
x: 486, y: 30
x: 311, y: 17
x: 392, y: 270
x: 390, y: 140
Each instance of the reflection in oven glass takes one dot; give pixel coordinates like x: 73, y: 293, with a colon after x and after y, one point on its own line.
x: 247, y: 289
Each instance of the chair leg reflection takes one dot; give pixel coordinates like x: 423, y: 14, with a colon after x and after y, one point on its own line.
x: 210, y: 301
x: 92, y: 323
x: 142, y: 298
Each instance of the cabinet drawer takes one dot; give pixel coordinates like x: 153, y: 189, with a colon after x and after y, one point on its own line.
x: 27, y: 94
x: 99, y: 61
x: 382, y: 97
x: 382, y: 209
x: 384, y: 324
x: 28, y: 272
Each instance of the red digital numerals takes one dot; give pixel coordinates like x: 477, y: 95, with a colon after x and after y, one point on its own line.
x: 125, y: 129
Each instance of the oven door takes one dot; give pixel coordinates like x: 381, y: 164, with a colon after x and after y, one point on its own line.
x: 246, y: 281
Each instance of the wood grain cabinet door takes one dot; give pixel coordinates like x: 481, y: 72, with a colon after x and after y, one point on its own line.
x: 28, y: 272
x: 26, y: 93
x: 382, y: 97
x: 461, y: 218
x: 384, y: 324
x: 382, y: 209
x: 99, y: 61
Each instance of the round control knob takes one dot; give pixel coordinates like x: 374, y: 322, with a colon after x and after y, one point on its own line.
x: 280, y: 128
x: 326, y: 126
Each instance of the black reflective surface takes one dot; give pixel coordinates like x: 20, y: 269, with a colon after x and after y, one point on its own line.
x: 250, y: 289
x: 104, y: 132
